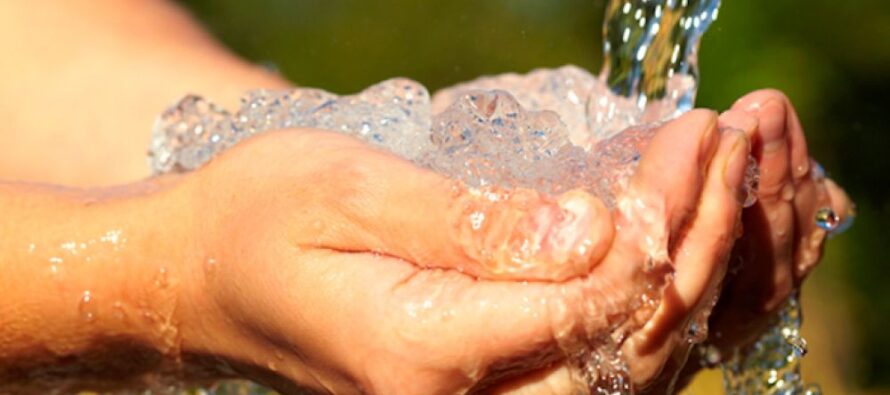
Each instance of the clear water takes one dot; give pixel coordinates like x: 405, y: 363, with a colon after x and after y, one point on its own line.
x: 651, y: 58
x: 552, y: 130
x: 771, y: 366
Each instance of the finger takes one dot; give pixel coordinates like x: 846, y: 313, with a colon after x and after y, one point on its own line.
x: 824, y: 210
x: 490, y: 233
x: 347, y: 196
x: 772, y: 147
x: 811, y: 197
x: 781, y: 113
x: 700, y: 258
x: 768, y: 247
x: 552, y: 380
x: 741, y: 121
x: 498, y: 330
x: 665, y: 187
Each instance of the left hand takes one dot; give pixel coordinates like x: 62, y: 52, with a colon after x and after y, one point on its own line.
x: 781, y: 243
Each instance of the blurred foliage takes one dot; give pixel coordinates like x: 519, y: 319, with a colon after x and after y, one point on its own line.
x: 831, y: 57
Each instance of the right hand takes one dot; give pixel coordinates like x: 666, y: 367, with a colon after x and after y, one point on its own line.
x: 323, y: 263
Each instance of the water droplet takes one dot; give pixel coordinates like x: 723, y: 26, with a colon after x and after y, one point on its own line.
x: 813, y: 389
x: 55, y: 264
x: 799, y: 344
x: 818, y: 173
x: 161, y: 278
x: 827, y: 219
x: 70, y: 247
x: 31, y: 248
x: 210, y: 266
x: 697, y: 330
x: 476, y: 220
x: 710, y: 355
x: 119, y: 312
x: 801, y: 169
x: 87, y: 306
x: 772, y: 364
x: 787, y: 193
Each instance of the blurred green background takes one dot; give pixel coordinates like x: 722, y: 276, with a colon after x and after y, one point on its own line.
x: 832, y: 58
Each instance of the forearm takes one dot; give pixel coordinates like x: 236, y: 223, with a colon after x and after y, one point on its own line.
x: 89, y: 282
x: 84, y: 81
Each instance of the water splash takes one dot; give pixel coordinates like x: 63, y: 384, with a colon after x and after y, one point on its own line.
x: 650, y: 51
x: 647, y: 43
x: 651, y: 63
x: 484, y: 138
x: 551, y: 130
x: 771, y: 365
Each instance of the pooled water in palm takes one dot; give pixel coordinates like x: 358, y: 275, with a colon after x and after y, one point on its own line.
x: 551, y: 130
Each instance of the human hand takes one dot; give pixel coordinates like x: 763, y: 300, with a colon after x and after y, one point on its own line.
x: 327, y: 264
x: 781, y: 243
x: 698, y: 248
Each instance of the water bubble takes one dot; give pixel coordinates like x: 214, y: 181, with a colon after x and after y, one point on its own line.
x: 476, y: 219
x: 550, y: 130
x: 752, y: 182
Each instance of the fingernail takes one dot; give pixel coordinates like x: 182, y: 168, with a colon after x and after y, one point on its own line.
x: 735, y: 167
x: 572, y: 232
x: 772, y: 127
x: 755, y: 106
x: 738, y: 120
x: 707, y: 145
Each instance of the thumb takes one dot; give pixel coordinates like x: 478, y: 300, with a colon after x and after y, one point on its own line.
x: 384, y: 204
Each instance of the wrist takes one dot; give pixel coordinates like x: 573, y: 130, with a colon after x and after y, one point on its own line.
x: 91, y: 278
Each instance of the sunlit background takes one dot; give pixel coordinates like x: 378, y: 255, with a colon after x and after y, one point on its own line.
x: 832, y: 57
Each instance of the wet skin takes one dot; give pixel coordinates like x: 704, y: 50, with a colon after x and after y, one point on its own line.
x: 354, y: 271
x: 314, y: 267
x: 780, y: 245
x: 349, y: 271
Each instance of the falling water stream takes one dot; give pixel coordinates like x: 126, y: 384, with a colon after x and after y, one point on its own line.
x: 551, y: 130
x: 651, y: 57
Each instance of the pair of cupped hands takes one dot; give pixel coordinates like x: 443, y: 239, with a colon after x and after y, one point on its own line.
x: 343, y: 269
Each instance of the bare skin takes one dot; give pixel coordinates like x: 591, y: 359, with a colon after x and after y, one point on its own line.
x: 326, y: 272
x: 773, y: 257
x: 320, y: 281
